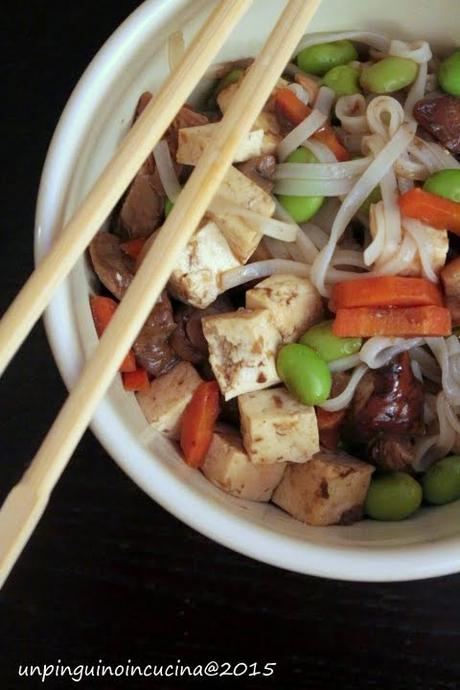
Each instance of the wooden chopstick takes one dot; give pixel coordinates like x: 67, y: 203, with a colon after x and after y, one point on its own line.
x: 71, y: 242
x: 27, y: 500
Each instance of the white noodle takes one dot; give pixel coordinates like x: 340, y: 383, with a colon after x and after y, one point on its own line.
x: 418, y: 231
x: 166, y: 170
x: 299, y: 187
x: 379, y: 111
x: 370, y: 38
x: 378, y: 232
x: 316, y: 235
x: 325, y: 217
x: 435, y: 447
x: 427, y: 363
x: 399, y: 262
x: 321, y: 171
x: 313, y: 122
x: 351, y: 111
x: 344, y: 399
x: 417, y: 372
x: 344, y: 363
x: 322, y: 152
x: 378, y: 351
x: 287, y: 232
x: 301, y: 93
x: 418, y: 51
x: 262, y: 269
x: 374, y: 173
x: 417, y: 90
x: 304, y: 245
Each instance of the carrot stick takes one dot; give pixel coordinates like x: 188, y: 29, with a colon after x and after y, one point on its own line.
x: 136, y: 380
x: 102, y: 309
x: 385, y: 291
x: 133, y: 247
x: 405, y: 322
x: 296, y: 112
x: 198, y: 423
x: 434, y: 210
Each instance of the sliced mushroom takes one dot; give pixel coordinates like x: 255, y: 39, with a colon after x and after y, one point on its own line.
x: 440, y: 116
x: 112, y: 266
x: 188, y: 339
x: 388, y: 400
x: 392, y: 453
x: 152, y: 348
x: 142, y: 209
x: 260, y: 170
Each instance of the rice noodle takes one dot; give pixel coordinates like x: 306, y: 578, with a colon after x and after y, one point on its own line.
x: 427, y: 363
x: 432, y: 448
x: 287, y: 232
x: 418, y: 51
x: 374, y: 173
x: 262, y: 269
x: 384, y: 116
x: 370, y: 38
x: 348, y: 257
x: 345, y: 398
x: 378, y: 351
x: 325, y: 217
x: 344, y: 363
x: 305, y: 129
x: 316, y: 235
x: 443, y: 349
x: 418, y: 231
x: 351, y: 111
x: 417, y: 372
x: 322, y: 152
x: 352, y: 142
x: 278, y: 250
x: 166, y: 170
x: 400, y: 261
x: 417, y: 90
x: 378, y: 232
x: 322, y: 171
x: 301, y: 93
x: 314, y: 187
x: 305, y: 246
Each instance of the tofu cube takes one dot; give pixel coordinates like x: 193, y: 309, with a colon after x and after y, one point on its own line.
x: 268, y: 122
x: 195, y: 279
x: 294, y: 303
x: 242, y: 235
x: 164, y: 404
x: 240, y: 190
x: 328, y: 490
x: 225, y: 97
x: 228, y: 467
x: 192, y: 141
x: 277, y: 428
x: 242, y: 349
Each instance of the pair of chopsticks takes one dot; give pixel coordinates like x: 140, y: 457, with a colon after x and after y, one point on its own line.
x: 26, y: 502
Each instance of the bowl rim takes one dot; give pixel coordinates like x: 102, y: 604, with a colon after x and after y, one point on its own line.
x: 353, y: 563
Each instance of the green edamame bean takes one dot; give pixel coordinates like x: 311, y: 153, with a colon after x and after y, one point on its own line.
x: 230, y: 78
x: 393, y: 496
x: 321, y: 58
x: 168, y: 206
x: 304, y: 373
x: 344, y: 80
x: 445, y: 183
x: 449, y: 74
x: 374, y: 197
x: 301, y: 208
x: 327, y: 345
x: 388, y: 75
x: 441, y: 484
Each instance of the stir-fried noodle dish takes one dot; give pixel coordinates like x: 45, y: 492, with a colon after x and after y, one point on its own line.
x: 306, y: 350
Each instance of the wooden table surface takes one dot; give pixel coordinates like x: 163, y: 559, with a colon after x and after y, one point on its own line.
x: 110, y: 575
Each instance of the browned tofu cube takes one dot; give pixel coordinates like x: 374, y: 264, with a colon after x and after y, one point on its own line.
x: 330, y: 489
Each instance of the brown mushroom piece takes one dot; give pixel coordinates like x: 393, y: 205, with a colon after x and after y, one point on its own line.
x: 260, y: 170
x: 111, y: 265
x: 115, y: 271
x: 440, y: 116
x: 188, y: 339
x: 151, y: 347
x: 142, y: 209
x: 387, y: 400
x: 392, y: 453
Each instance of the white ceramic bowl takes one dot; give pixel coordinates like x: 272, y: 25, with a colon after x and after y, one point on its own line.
x: 96, y: 117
